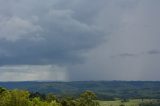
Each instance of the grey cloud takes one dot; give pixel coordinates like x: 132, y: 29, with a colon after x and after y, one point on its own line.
x: 43, y: 34
x: 153, y: 52
x: 125, y: 55
x: 80, y: 37
x: 134, y: 31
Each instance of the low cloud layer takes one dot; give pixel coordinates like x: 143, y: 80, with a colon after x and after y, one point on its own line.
x: 79, y: 40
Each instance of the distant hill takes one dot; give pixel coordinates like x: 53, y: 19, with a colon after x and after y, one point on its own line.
x: 104, y: 89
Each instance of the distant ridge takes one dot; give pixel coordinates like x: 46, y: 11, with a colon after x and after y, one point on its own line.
x: 104, y: 89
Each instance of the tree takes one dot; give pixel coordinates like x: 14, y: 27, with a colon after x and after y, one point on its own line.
x: 14, y: 98
x: 50, y: 97
x: 88, y: 98
x: 68, y: 101
x: 2, y: 89
x: 24, y: 98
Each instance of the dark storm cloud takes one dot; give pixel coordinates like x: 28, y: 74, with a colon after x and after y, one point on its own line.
x: 43, y: 38
x: 124, y: 55
x: 153, y: 52
x: 127, y: 55
x: 36, y: 32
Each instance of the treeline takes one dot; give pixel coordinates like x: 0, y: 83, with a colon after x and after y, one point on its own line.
x: 26, y: 98
x: 105, y: 90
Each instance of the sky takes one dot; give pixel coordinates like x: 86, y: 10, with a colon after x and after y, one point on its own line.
x: 79, y: 40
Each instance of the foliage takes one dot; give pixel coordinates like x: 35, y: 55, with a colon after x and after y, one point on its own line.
x: 105, y: 90
x: 88, y: 99
x: 14, y: 98
x: 2, y: 89
x: 25, y: 98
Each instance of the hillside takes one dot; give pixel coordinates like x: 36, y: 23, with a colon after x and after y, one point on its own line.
x: 104, y: 89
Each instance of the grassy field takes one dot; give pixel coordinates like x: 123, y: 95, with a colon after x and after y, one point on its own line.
x: 133, y: 102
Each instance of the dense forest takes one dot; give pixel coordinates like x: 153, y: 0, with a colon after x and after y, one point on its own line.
x: 105, y: 90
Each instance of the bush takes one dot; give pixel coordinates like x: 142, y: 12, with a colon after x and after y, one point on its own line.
x: 24, y: 98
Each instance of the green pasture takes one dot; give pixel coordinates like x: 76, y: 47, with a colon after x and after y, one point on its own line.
x: 132, y: 102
